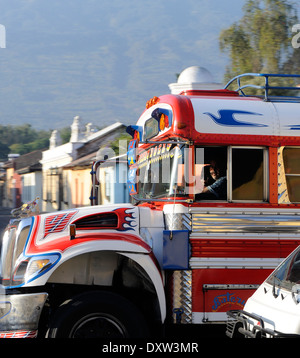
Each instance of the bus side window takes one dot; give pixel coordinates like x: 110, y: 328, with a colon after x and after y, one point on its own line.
x: 291, y: 162
x: 248, y: 174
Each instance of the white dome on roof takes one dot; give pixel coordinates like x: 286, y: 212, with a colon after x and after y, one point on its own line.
x: 194, y: 78
x: 195, y: 74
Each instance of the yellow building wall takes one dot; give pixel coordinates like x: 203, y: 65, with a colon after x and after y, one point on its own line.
x: 8, y: 201
x: 80, y: 187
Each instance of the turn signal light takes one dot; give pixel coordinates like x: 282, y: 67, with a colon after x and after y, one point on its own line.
x: 152, y: 102
x: 163, y: 122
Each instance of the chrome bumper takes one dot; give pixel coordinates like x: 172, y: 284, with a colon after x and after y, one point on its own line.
x: 20, y: 314
x: 238, y: 326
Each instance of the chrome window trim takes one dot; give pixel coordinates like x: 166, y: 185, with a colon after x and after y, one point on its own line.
x: 265, y: 174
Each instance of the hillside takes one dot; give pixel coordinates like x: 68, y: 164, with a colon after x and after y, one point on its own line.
x: 104, y: 59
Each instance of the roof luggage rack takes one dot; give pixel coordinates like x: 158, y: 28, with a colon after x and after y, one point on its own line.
x: 266, y: 87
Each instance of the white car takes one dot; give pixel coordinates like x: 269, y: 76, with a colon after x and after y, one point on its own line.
x: 273, y: 311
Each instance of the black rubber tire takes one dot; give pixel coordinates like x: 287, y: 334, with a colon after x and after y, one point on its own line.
x: 98, y: 314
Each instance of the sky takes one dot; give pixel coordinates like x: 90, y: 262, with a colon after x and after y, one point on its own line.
x: 102, y: 59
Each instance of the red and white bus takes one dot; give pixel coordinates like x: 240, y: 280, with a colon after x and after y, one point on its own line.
x: 232, y: 184
x: 215, y: 181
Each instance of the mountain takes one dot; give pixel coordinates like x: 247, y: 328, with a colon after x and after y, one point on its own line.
x: 104, y: 59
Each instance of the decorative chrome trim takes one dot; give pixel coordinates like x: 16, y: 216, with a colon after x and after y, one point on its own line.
x: 234, y: 263
x: 244, y: 221
x: 178, y: 221
x: 230, y: 287
x: 182, y: 296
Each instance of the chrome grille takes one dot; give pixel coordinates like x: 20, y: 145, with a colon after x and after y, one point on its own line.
x: 14, y: 240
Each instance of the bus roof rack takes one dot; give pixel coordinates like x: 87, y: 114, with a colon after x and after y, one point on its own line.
x: 267, y: 87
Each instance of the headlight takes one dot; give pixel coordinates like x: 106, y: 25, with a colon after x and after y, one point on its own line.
x: 31, y: 268
x: 16, y: 268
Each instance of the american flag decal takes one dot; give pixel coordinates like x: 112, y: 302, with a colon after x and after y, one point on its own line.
x: 58, y: 222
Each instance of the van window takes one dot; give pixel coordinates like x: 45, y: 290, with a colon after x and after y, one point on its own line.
x: 291, y: 162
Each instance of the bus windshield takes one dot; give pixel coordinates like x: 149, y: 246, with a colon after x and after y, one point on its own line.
x: 161, y: 172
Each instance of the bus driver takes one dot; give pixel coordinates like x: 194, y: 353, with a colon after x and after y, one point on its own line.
x: 215, y: 185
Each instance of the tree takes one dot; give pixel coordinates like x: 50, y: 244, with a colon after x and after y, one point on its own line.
x: 120, y: 140
x: 21, y: 139
x: 261, y: 41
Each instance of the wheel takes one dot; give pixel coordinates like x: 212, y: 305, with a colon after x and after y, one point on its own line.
x: 97, y: 315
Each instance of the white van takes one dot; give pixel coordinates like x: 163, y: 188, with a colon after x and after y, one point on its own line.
x: 273, y: 311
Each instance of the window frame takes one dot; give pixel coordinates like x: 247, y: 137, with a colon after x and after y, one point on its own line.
x: 229, y: 174
x: 265, y: 174
x: 289, y: 174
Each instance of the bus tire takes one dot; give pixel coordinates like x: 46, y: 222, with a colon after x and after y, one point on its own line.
x: 98, y: 315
